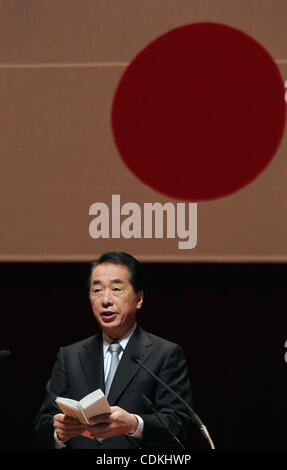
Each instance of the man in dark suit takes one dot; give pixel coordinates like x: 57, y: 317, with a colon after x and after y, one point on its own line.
x: 116, y: 293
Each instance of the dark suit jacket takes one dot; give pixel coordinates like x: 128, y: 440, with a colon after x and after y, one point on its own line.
x: 79, y: 370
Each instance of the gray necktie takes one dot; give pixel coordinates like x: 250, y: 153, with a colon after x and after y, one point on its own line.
x: 115, y: 349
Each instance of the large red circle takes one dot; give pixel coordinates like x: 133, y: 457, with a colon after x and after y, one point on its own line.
x: 199, y: 112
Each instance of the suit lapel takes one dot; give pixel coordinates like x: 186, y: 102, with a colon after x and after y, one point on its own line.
x: 139, y: 344
x: 91, y: 358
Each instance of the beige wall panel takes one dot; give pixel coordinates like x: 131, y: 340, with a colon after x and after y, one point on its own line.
x: 112, y: 30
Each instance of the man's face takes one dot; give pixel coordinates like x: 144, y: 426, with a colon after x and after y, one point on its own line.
x: 114, y: 302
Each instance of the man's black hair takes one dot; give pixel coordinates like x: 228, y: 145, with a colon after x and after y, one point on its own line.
x: 136, y: 277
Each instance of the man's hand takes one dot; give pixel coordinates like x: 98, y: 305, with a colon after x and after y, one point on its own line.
x: 117, y: 422
x: 67, y: 427
x: 102, y: 427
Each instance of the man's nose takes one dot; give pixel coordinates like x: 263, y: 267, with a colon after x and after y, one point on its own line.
x: 107, y: 298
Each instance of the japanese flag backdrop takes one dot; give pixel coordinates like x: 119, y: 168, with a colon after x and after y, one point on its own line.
x: 155, y: 101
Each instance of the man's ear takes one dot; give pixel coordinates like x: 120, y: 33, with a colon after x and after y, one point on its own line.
x: 140, y: 299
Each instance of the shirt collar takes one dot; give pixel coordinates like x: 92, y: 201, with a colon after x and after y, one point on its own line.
x: 123, y: 341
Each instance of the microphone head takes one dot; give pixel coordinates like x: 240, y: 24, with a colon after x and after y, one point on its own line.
x: 135, y: 358
x: 4, y: 353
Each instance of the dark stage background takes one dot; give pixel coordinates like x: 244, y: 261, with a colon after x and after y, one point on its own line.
x: 229, y: 318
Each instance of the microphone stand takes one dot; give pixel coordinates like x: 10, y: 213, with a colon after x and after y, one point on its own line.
x: 194, y: 416
x: 161, y: 421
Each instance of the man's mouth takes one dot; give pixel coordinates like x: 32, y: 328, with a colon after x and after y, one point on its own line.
x: 108, y: 315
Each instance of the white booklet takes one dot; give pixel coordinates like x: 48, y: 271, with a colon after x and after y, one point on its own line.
x: 93, y: 404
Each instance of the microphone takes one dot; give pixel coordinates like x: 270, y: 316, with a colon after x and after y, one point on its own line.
x: 161, y: 421
x: 195, y: 418
x: 4, y: 353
